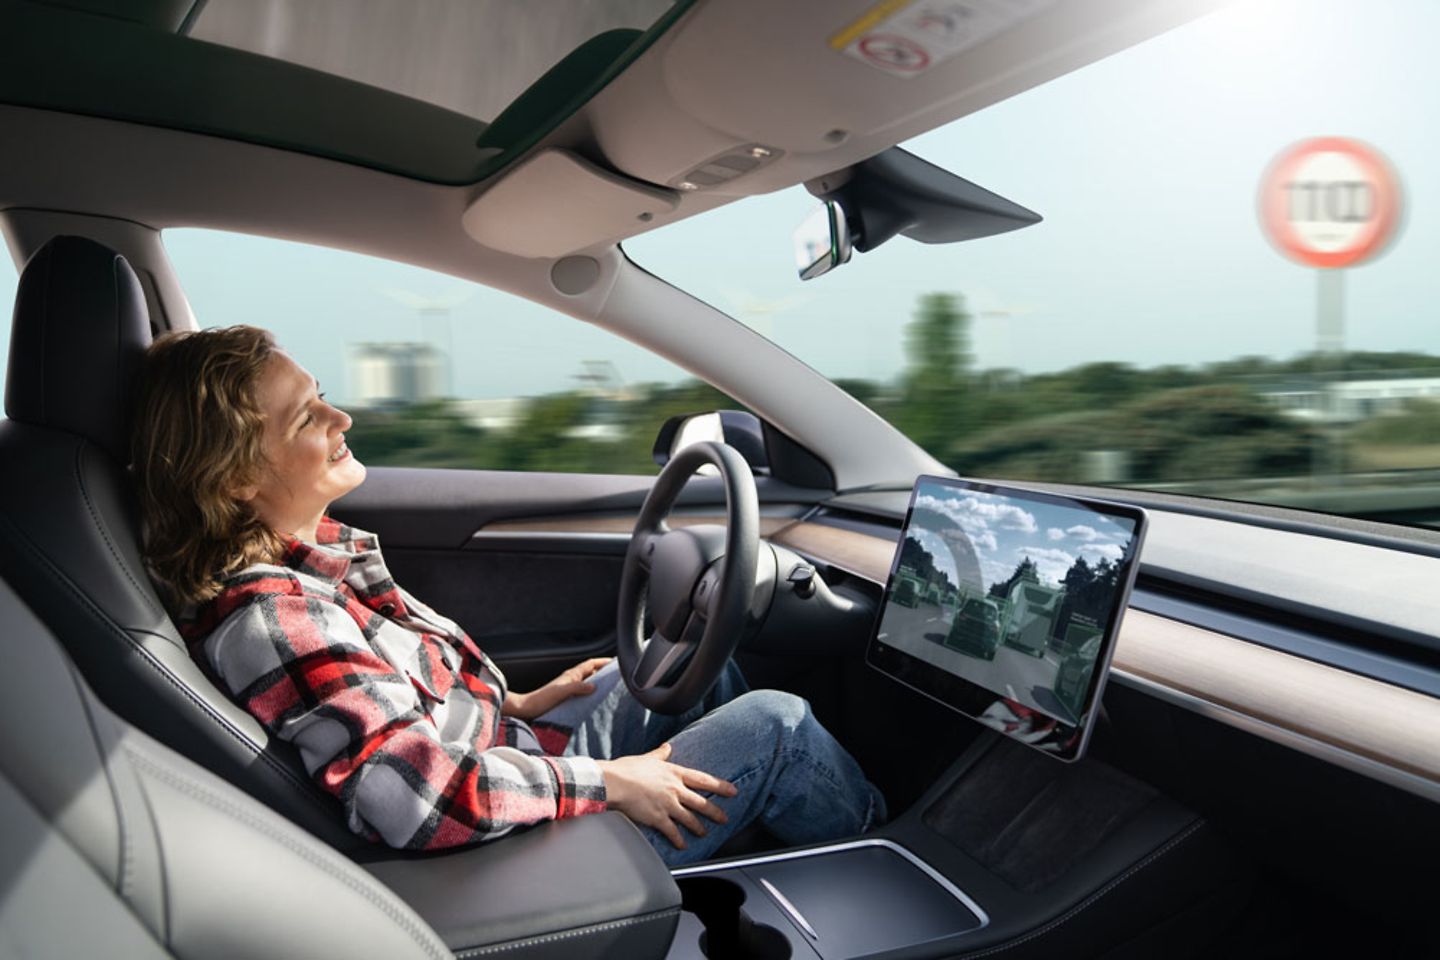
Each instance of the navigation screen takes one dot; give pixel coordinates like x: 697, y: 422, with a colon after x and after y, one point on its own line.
x: 1004, y: 604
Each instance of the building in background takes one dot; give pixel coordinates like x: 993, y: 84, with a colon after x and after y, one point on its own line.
x: 1347, y: 401
x: 395, y: 374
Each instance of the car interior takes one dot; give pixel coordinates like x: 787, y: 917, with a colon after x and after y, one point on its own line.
x: 1263, y: 773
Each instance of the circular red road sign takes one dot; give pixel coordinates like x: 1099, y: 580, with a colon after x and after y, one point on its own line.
x: 1330, y: 202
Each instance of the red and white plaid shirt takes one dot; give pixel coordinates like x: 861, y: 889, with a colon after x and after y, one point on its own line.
x: 393, y: 708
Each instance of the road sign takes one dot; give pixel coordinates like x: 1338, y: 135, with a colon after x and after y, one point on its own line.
x: 1330, y: 202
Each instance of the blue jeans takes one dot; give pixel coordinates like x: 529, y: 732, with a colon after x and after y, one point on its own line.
x: 792, y: 776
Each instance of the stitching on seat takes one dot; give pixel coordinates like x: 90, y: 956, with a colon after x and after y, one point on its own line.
x: 302, y: 787
x: 317, y: 855
x: 127, y: 859
x: 567, y: 934
x: 80, y: 451
x: 1091, y: 900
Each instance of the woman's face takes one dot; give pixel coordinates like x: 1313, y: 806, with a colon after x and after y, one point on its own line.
x: 309, y: 464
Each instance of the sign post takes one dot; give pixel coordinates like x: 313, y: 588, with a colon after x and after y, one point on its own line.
x: 1329, y: 203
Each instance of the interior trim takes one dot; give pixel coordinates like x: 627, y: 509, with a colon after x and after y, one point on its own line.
x: 857, y: 553
x: 769, y: 526
x: 1380, y: 730
x: 915, y: 861
x: 1374, y: 728
x: 1365, y: 766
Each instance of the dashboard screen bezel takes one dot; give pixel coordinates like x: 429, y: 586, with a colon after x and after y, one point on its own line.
x: 1063, y: 741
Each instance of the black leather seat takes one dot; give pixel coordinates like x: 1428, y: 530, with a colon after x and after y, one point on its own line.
x: 69, y: 530
x: 112, y: 845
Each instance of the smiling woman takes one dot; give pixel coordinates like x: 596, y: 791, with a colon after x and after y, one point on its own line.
x: 307, y: 462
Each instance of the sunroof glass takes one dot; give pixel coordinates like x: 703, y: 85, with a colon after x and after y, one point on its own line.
x: 470, y: 56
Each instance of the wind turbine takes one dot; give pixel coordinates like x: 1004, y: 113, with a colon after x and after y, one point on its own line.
x: 755, y: 313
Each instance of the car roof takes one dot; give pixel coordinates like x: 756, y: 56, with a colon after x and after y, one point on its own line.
x: 649, y: 109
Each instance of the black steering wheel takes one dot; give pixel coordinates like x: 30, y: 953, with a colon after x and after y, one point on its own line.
x: 697, y: 582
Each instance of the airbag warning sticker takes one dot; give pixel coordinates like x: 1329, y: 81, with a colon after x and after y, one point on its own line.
x: 907, y: 37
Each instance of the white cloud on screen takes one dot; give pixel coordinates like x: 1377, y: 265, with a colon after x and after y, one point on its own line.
x: 972, y: 513
x: 1108, y: 551
x: 1055, y: 533
x: 1050, y: 563
x: 984, y: 540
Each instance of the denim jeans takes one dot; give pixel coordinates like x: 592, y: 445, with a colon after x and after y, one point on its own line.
x: 792, y: 776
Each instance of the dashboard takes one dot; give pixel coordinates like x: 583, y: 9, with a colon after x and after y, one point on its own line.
x: 1319, y: 643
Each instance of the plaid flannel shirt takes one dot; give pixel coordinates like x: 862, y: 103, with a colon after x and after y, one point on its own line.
x: 393, y: 708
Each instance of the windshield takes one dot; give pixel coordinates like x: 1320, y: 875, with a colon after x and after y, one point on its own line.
x: 1149, y: 332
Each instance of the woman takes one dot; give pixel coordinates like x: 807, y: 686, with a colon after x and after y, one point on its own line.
x: 393, y: 708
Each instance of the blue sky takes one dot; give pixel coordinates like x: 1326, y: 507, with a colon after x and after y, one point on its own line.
x: 1145, y: 167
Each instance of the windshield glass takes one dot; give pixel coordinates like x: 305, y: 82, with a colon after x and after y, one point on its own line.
x: 1148, y: 333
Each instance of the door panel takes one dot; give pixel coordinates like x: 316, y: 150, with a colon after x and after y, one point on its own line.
x: 528, y: 563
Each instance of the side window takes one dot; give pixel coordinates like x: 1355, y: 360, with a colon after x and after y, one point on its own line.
x: 9, y: 280
x: 437, y: 371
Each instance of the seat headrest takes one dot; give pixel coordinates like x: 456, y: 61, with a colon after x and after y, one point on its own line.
x: 77, y: 341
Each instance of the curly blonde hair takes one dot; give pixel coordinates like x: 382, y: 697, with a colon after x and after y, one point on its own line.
x: 198, y: 438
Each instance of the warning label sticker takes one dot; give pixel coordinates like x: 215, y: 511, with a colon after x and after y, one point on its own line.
x: 905, y: 38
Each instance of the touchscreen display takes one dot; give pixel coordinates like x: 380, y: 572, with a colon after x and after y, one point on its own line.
x: 1005, y: 603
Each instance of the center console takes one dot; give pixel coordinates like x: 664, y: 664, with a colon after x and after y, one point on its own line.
x: 1009, y: 855
x: 848, y: 900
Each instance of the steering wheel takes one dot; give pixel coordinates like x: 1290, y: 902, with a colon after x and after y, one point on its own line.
x: 697, y: 582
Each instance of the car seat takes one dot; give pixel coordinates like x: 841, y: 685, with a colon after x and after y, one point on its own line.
x: 69, y: 530
x: 114, y: 846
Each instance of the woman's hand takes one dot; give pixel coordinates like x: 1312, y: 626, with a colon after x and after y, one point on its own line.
x: 653, y: 792
x: 571, y: 683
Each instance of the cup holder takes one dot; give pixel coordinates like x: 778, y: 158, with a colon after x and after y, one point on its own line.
x: 730, y: 933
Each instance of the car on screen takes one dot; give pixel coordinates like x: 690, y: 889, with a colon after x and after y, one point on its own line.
x: 976, y: 628
x: 538, y: 251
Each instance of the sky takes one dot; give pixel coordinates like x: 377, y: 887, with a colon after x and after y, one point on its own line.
x: 1006, y: 530
x: 1144, y: 165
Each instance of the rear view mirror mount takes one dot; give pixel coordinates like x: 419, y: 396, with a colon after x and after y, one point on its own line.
x: 896, y: 192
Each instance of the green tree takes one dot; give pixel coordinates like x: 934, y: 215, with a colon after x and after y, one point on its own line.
x: 935, y: 387
x: 1025, y: 570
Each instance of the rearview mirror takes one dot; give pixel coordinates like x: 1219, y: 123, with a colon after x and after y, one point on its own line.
x: 822, y: 241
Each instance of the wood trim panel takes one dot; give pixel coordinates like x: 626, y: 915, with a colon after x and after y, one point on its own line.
x: 1357, y: 715
x: 581, y: 524
x: 859, y: 553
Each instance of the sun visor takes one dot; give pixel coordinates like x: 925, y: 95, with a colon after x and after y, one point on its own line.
x: 555, y: 203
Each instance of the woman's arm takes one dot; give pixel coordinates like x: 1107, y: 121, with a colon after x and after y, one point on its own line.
x: 303, y: 668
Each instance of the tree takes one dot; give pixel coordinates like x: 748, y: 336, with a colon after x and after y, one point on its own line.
x: 935, y: 387
x: 1026, y: 571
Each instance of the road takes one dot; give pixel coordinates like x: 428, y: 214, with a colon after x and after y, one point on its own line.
x: 920, y: 631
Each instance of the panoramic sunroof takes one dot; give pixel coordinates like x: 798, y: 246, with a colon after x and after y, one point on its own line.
x: 448, y: 91
x: 471, y: 56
